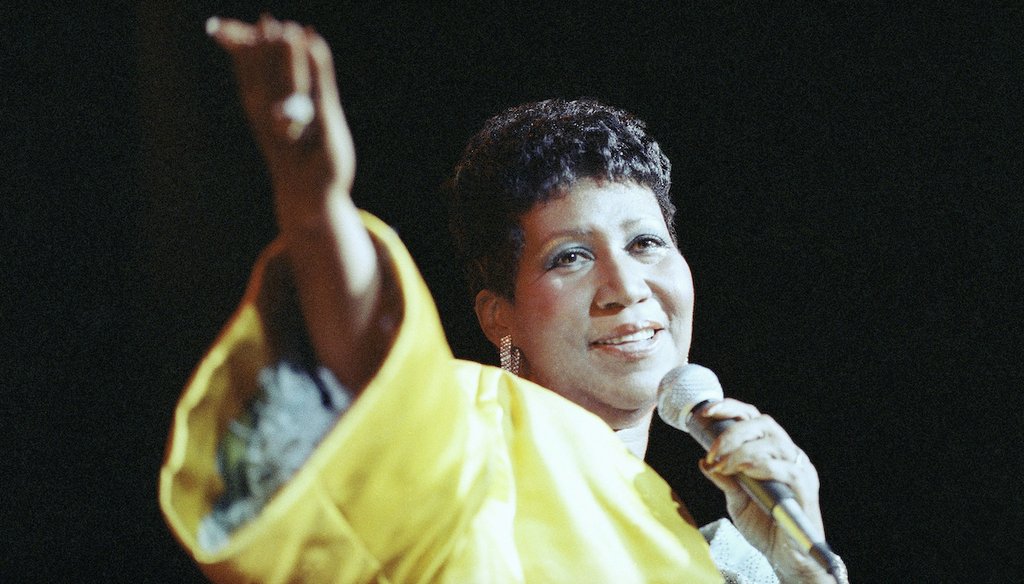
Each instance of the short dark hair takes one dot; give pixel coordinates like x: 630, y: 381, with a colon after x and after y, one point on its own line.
x: 535, y: 152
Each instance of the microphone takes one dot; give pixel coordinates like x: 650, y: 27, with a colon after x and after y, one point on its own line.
x: 684, y: 393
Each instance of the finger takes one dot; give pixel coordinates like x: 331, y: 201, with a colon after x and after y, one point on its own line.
x: 727, y: 484
x: 761, y: 461
x: 230, y: 33
x: 731, y: 408
x: 762, y: 427
x: 270, y: 28
x: 293, y: 108
x: 756, y: 453
x: 321, y: 65
x: 247, y: 46
x: 298, y: 53
x: 783, y: 471
x: 240, y: 40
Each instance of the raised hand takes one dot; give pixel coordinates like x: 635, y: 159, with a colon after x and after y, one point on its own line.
x: 285, y: 76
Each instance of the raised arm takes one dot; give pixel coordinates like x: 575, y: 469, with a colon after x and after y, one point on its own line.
x: 285, y: 76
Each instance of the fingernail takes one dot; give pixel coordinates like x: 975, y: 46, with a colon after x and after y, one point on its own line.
x: 708, y: 411
x: 212, y: 25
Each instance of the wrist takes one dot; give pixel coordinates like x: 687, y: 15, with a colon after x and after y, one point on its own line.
x: 311, y: 216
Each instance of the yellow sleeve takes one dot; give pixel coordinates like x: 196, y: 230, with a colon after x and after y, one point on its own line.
x: 386, y: 492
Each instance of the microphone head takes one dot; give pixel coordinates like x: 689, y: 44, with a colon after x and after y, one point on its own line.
x: 682, y: 389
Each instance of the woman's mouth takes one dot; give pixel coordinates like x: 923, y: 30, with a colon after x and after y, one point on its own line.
x: 632, y: 342
x: 640, y: 335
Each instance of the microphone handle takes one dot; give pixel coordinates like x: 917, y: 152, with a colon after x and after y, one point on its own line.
x: 774, y: 498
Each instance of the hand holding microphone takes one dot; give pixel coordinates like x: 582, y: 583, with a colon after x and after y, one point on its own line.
x: 769, y: 484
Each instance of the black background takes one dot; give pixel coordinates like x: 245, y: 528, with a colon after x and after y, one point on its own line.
x: 849, y: 182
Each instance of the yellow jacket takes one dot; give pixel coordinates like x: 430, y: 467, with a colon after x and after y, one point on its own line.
x: 441, y: 471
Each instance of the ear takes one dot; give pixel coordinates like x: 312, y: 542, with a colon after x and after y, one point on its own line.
x: 494, y: 312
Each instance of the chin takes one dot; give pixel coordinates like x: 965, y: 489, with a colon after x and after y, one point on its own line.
x: 621, y: 419
x: 638, y: 392
x: 646, y: 382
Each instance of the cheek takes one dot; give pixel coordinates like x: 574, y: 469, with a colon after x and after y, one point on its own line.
x: 677, y: 289
x: 547, y: 311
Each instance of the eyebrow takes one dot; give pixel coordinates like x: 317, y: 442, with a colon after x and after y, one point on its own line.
x: 577, y: 232
x: 570, y: 233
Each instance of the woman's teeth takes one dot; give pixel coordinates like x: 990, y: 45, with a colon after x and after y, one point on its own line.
x: 633, y: 337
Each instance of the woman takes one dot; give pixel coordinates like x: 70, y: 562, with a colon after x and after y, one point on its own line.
x: 346, y: 444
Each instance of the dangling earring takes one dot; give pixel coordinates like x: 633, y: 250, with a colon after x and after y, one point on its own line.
x: 510, y: 355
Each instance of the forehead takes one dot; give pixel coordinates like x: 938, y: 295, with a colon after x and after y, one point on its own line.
x: 593, y: 206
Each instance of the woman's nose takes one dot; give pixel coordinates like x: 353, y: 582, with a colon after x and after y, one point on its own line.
x: 623, y: 283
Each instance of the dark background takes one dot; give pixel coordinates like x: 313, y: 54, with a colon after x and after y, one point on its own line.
x: 848, y: 178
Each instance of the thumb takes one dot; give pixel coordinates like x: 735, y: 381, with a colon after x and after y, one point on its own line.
x: 727, y: 484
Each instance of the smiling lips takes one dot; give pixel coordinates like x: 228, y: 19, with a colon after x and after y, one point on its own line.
x: 624, y: 336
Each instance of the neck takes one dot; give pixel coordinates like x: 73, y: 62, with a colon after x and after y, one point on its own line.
x: 635, y: 436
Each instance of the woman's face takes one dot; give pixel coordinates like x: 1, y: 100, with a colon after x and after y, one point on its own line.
x: 603, y: 299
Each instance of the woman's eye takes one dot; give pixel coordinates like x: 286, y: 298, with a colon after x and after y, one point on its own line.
x: 568, y: 258
x: 647, y: 242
